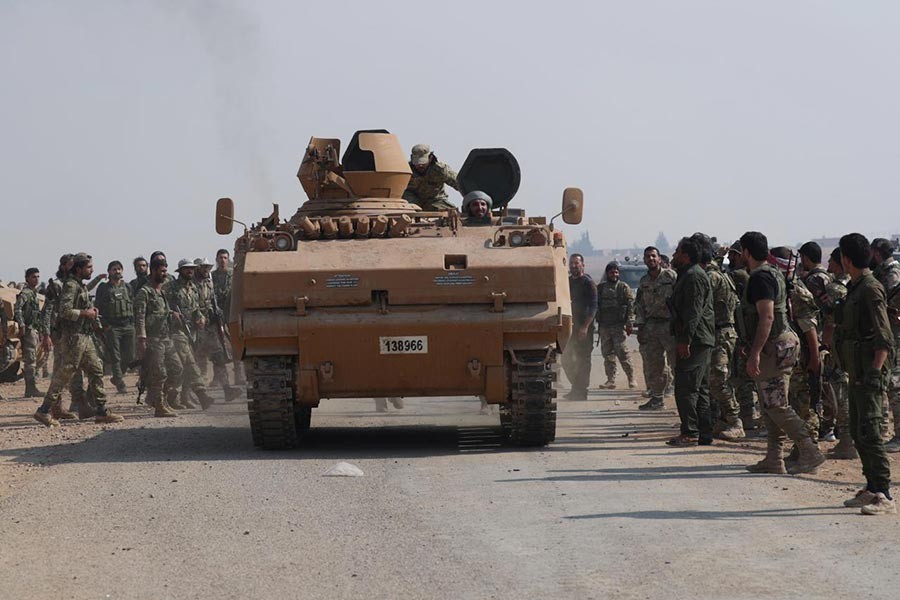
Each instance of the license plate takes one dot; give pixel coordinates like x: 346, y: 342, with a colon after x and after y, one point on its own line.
x: 406, y: 344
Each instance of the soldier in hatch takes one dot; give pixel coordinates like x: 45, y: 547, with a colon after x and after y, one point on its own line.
x: 429, y: 175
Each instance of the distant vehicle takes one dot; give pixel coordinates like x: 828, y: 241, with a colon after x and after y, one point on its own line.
x: 631, y: 273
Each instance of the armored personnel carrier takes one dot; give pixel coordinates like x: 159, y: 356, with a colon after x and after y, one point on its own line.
x: 362, y: 294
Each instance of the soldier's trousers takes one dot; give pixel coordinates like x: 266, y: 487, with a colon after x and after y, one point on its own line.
x: 865, y: 428
x: 120, y: 342
x: 191, y: 377
x: 162, y: 369
x: 835, y: 393
x: 209, y: 349
x: 721, y: 394
x: 692, y: 392
x: 612, y: 346
x: 76, y: 384
x: 893, y: 391
x: 799, y: 397
x: 657, y: 347
x: 744, y: 387
x: 576, y: 361
x: 77, y: 353
x: 31, y: 341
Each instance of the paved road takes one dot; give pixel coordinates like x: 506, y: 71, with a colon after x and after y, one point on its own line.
x: 189, y: 509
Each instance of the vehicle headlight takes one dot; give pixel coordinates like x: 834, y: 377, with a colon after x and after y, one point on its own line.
x: 516, y: 238
x: 284, y: 242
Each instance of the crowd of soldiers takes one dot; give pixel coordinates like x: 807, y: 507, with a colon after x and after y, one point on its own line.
x: 167, y: 328
x: 760, y: 340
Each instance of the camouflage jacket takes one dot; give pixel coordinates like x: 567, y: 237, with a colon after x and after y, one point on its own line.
x: 804, y: 313
x: 137, y: 283
x: 27, y: 312
x: 73, y: 299
x: 221, y: 279
x: 816, y: 281
x: 615, y: 303
x: 205, y: 296
x: 114, y: 301
x: 428, y: 190
x: 650, y: 301
x: 888, y: 274
x: 151, y: 313
x: 725, y: 298
x: 50, y: 312
x: 183, y: 297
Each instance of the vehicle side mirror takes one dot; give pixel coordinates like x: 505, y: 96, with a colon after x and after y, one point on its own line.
x: 225, y: 216
x: 572, y: 205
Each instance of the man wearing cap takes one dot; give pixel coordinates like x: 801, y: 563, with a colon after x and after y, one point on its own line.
x: 114, y: 301
x: 615, y: 320
x: 476, y: 207
x: 184, y: 301
x: 429, y: 175
x: 27, y: 315
x: 221, y: 278
x: 209, y: 346
x: 76, y: 314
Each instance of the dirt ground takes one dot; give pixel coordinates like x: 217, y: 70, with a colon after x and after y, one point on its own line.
x: 187, y: 508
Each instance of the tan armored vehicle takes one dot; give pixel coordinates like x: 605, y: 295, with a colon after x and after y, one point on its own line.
x: 362, y: 294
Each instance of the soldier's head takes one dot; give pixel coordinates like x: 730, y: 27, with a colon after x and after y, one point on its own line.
x: 881, y: 250
x: 420, y: 158
x: 783, y: 259
x: 834, y: 262
x: 114, y: 271
x: 82, y: 266
x: 223, y: 257
x: 576, y: 265
x: 186, y: 269
x: 754, y: 248
x: 159, y: 268
x: 477, y: 204
x: 705, y: 243
x: 810, y: 255
x: 856, y: 253
x: 203, y: 268
x: 612, y: 271
x: 65, y: 265
x: 651, y: 258
x: 140, y: 266
x: 32, y: 277
x: 734, y: 255
x: 687, y: 253
x: 158, y: 254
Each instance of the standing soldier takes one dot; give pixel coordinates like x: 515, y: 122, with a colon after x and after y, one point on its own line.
x: 577, y: 357
x: 887, y: 272
x: 817, y: 279
x: 210, y: 346
x: 221, y: 278
x: 657, y: 345
x: 114, y: 301
x: 744, y: 388
x: 140, y: 275
x: 161, y: 368
x: 772, y: 350
x: 28, y: 316
x: 866, y: 343
x: 726, y: 414
x: 615, y: 320
x: 184, y: 302
x: 79, y: 353
x: 694, y: 328
x: 426, y: 186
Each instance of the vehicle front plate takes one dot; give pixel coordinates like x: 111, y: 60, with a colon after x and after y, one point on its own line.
x: 406, y: 344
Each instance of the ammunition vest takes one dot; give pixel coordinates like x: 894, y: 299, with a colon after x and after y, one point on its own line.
x: 30, y: 307
x: 612, y: 302
x: 725, y: 298
x: 750, y: 316
x: 156, y: 312
x: 118, y: 305
x: 82, y: 301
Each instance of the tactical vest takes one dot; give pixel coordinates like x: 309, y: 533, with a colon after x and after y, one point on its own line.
x: 725, y: 298
x: 156, y: 311
x: 83, y: 301
x: 30, y: 307
x: 119, y: 304
x: 750, y: 316
x: 613, y: 304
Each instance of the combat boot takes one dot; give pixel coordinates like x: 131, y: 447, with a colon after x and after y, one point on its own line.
x: 810, y: 457
x: 772, y: 463
x: 732, y: 432
x: 84, y: 409
x: 205, y: 399
x: 31, y: 389
x: 893, y: 445
x: 162, y: 410
x: 45, y: 419
x: 105, y: 416
x: 610, y: 384
x: 57, y: 412
x: 653, y: 403
x: 232, y: 393
x: 185, y: 400
x: 844, y: 449
x: 120, y: 385
x: 171, y: 400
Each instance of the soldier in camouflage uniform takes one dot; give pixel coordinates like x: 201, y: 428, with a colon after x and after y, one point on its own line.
x: 183, y: 299
x: 726, y: 415
x: 429, y: 175
x: 141, y: 275
x: 615, y: 320
x: 771, y: 354
x: 79, y: 352
x: 806, y: 375
x: 209, y: 345
x: 31, y: 329
x: 221, y: 278
x: 657, y: 344
x: 114, y: 301
x: 887, y: 272
x: 836, y: 378
x: 744, y: 387
x: 161, y: 367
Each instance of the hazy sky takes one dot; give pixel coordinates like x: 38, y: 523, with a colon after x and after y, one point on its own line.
x: 123, y: 121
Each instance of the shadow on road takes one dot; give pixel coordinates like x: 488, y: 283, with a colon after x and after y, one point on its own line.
x: 711, y: 515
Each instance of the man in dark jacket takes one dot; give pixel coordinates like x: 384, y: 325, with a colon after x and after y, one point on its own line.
x: 577, y: 357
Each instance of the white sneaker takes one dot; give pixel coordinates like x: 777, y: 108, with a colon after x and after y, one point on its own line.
x: 879, y: 506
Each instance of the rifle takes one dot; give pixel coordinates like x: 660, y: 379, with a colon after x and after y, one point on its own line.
x: 100, y: 337
x: 185, y: 325
x: 815, y: 389
x: 217, y: 319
